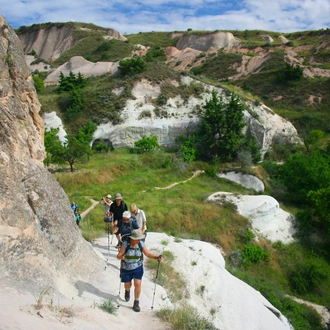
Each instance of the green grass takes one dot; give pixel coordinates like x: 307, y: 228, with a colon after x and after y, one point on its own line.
x: 186, y: 317
x: 152, y: 39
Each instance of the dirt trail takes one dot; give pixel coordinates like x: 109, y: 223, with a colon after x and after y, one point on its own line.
x: 94, y: 203
x: 175, y: 183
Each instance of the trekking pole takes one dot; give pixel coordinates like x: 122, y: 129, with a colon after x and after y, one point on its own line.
x: 111, y: 228
x: 119, y: 290
x: 108, y: 248
x: 153, y: 298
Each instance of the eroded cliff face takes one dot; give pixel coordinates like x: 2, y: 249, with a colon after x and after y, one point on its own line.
x: 51, y: 43
x: 39, y: 239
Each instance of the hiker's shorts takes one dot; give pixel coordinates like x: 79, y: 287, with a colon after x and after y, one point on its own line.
x: 129, y: 275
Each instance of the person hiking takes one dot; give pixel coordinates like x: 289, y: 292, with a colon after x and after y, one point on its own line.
x: 107, y: 215
x: 140, y: 217
x: 127, y: 226
x: 76, y: 213
x: 131, y: 265
x: 116, y: 210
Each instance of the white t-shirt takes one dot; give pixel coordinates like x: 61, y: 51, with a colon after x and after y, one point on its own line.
x: 140, y: 218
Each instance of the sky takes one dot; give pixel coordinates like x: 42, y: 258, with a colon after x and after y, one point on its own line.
x: 131, y: 16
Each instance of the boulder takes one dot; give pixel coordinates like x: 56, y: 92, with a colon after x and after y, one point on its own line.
x: 246, y: 180
x: 266, y: 216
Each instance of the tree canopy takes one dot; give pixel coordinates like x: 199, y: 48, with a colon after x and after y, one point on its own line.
x: 75, y: 149
x: 221, y: 127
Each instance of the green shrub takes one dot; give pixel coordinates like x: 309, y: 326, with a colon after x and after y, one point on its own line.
x: 306, y: 277
x: 254, y: 254
x: 146, y: 144
x: 132, y: 66
x: 109, y: 306
x: 185, y: 317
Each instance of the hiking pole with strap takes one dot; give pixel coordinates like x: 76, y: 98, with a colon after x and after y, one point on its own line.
x: 153, y: 298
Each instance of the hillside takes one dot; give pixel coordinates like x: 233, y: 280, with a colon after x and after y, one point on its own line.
x: 249, y: 60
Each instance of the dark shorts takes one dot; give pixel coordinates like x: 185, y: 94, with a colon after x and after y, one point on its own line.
x: 108, y: 220
x: 129, y: 275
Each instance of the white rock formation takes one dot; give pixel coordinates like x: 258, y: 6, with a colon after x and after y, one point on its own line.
x: 266, y: 216
x: 181, y: 118
x: 246, y: 180
x: 51, y: 120
x: 208, y: 41
x: 79, y: 64
x: 236, y: 305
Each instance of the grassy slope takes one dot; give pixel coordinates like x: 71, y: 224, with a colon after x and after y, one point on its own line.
x: 182, y: 211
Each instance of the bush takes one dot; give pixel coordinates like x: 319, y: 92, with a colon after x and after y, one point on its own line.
x: 109, y: 306
x: 185, y: 317
x: 132, y: 66
x: 254, y: 254
x: 146, y: 144
x: 307, y: 277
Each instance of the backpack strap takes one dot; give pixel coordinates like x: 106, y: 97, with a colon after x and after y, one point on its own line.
x: 128, y: 247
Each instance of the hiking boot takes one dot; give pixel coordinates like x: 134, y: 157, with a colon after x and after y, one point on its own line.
x: 136, y: 307
x: 127, y: 295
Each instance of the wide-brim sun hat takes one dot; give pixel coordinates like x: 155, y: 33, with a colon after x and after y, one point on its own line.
x: 136, y: 234
x: 118, y: 196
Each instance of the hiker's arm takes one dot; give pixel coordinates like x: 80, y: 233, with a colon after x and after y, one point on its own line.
x: 150, y: 255
x: 120, y: 255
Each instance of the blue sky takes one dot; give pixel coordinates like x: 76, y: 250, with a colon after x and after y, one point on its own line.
x: 130, y: 16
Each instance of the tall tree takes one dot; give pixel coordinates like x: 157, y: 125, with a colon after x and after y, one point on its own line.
x: 221, y: 127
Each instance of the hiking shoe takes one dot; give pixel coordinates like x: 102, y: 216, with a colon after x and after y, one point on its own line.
x: 136, y: 307
x: 127, y: 295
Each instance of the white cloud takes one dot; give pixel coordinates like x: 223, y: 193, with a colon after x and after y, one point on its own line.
x: 161, y: 15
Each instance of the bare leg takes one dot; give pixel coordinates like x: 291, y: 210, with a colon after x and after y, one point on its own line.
x: 137, y: 288
x: 127, y: 285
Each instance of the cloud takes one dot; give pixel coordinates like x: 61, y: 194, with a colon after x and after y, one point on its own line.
x: 160, y: 15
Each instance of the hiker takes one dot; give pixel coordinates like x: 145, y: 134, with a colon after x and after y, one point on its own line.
x: 116, y: 210
x: 76, y: 213
x: 107, y: 215
x: 131, y: 265
x: 74, y: 207
x: 140, y: 218
x: 127, y: 226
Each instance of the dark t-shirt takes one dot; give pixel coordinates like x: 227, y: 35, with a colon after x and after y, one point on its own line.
x: 118, y: 211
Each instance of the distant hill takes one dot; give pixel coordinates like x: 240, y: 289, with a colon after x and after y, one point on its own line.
x: 252, y: 60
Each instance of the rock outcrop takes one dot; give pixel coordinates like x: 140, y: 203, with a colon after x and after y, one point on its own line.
x: 51, y: 43
x: 40, y: 243
x: 246, y: 180
x: 78, y: 64
x: 266, y: 216
x: 205, y: 42
x: 180, y: 117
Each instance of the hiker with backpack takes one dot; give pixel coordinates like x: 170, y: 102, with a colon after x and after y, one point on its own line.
x: 116, y: 210
x: 127, y: 226
x: 107, y: 215
x: 140, y: 217
x: 131, y: 266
